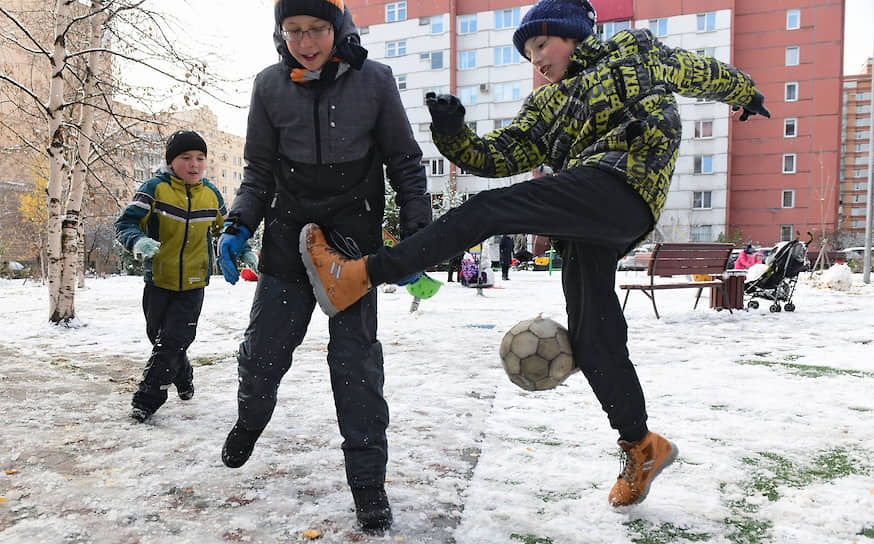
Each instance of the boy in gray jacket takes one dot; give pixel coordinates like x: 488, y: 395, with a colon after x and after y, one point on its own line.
x: 322, y: 124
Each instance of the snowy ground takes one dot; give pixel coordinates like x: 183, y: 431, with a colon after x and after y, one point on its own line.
x: 772, y: 414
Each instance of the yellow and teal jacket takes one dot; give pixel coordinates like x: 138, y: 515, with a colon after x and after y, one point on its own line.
x: 184, y: 218
x: 614, y: 110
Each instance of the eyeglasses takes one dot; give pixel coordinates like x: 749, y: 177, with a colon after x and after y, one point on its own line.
x: 314, y: 33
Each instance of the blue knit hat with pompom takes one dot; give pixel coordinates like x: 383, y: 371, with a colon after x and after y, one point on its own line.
x: 573, y: 19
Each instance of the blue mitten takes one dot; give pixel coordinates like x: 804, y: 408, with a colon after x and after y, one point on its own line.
x: 145, y: 248
x: 233, y: 242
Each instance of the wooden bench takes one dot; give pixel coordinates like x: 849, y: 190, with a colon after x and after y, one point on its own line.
x: 670, y: 259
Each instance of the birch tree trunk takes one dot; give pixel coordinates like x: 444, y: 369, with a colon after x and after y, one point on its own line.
x: 71, y: 229
x: 58, y: 166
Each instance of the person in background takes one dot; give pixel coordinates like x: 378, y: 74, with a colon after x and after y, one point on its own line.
x: 745, y: 259
x: 506, y: 248
x: 170, y: 225
x: 609, y: 128
x: 323, y: 123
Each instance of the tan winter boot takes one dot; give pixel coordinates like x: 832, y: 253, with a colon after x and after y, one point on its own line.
x: 643, y: 462
x: 338, y: 281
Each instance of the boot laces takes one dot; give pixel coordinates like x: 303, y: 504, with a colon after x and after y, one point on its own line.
x: 345, y: 246
x: 629, y: 465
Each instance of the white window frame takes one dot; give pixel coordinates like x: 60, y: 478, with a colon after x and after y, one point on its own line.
x: 437, y: 24
x: 793, y: 19
x: 464, y: 24
x: 506, y: 55
x: 790, y: 168
x: 434, y: 167
x: 702, y: 200
x: 790, y: 127
x: 706, y: 22
x: 609, y: 29
x: 401, y: 81
x: 793, y: 55
x: 468, y: 95
x: 395, y: 49
x: 790, y: 85
x: 786, y: 232
x: 698, y: 134
x: 699, y: 162
x: 396, y: 11
x: 659, y: 27
x: 701, y: 233
x: 787, y: 198
x: 467, y: 60
x: 501, y: 123
x: 506, y: 91
x: 507, y: 18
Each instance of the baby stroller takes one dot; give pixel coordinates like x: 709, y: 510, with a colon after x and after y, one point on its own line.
x: 777, y: 282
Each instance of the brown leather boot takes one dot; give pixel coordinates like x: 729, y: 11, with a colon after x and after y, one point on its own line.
x: 338, y: 281
x: 644, y: 460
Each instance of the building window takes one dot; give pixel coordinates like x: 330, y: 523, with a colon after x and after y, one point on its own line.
x: 793, y: 19
x: 501, y: 123
x: 402, y: 82
x: 437, y: 24
x: 703, y: 164
x: 701, y: 200
x: 789, y: 163
x: 706, y: 52
x: 703, y: 129
x: 659, y: 27
x: 507, y: 55
x: 467, y: 95
x: 434, y: 57
x: 791, y: 94
x: 862, y: 135
x: 788, y: 199
x: 364, y: 30
x: 467, y: 24
x: 707, y: 21
x: 790, y: 127
x: 466, y: 60
x: 701, y: 233
x: 793, y: 55
x: 434, y: 167
x: 396, y: 11
x: 786, y: 232
x: 507, y: 18
x: 860, y: 148
x: 507, y: 91
x: 608, y: 30
x: 395, y: 49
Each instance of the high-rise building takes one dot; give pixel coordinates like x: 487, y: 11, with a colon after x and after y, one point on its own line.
x: 761, y: 181
x: 855, y: 146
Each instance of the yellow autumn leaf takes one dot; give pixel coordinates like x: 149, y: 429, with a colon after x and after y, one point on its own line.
x: 2, y: 500
x: 312, y: 534
x: 13, y: 471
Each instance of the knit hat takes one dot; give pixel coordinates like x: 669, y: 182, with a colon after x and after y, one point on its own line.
x: 181, y: 141
x: 573, y: 19
x: 329, y: 10
x: 749, y: 249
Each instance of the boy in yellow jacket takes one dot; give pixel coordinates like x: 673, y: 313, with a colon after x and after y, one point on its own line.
x: 170, y: 225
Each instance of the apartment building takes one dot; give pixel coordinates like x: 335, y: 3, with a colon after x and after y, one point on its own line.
x: 855, y: 149
x: 760, y: 181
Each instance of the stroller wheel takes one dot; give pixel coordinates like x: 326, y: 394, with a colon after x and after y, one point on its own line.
x: 789, y: 307
x: 775, y: 307
x: 754, y: 304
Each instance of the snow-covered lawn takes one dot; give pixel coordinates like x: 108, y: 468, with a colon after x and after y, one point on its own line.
x: 773, y: 415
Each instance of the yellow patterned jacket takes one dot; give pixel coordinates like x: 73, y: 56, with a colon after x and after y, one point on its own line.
x: 614, y: 110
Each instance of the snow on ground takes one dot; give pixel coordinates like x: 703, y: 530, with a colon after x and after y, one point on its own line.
x: 772, y: 413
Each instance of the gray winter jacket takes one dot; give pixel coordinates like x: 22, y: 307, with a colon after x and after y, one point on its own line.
x: 315, y: 153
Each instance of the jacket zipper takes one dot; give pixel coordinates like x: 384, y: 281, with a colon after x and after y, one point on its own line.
x: 184, y: 238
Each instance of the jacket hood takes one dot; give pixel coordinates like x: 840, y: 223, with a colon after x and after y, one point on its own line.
x: 348, y: 34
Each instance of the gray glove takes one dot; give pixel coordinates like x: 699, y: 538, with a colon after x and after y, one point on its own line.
x: 145, y: 248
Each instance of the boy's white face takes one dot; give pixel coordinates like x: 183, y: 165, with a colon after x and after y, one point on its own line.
x: 311, y: 52
x: 551, y: 55
x: 189, y: 166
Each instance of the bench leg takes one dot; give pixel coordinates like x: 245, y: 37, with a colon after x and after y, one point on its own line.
x: 624, y: 302
x: 697, y: 297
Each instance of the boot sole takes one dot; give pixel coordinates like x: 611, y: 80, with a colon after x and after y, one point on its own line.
x: 316, y: 282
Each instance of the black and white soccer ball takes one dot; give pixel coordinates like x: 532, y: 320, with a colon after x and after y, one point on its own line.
x: 536, y: 354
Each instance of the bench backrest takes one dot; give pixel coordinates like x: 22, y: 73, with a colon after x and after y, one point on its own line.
x: 675, y: 259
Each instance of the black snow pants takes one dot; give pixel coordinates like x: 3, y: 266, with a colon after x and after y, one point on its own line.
x: 281, y: 312
x: 171, y: 324
x: 597, y: 218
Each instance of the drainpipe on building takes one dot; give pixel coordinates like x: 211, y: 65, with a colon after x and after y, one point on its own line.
x: 866, y: 251
x: 453, y: 54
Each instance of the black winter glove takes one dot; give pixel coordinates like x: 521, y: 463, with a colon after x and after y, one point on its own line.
x: 447, y: 113
x: 755, y: 107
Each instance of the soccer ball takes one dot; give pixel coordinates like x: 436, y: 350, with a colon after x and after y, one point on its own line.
x: 536, y: 354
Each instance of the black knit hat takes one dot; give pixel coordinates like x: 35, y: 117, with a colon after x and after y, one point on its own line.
x: 573, y: 19
x: 329, y: 10
x: 181, y: 141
